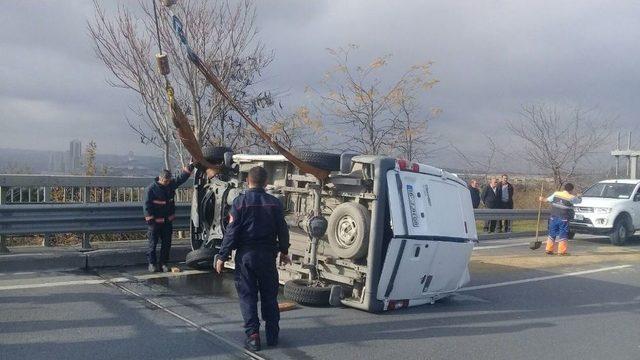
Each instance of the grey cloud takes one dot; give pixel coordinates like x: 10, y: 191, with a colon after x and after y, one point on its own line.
x: 490, y: 56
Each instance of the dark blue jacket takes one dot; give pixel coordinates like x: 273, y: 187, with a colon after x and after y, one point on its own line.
x: 159, y: 200
x: 256, y: 220
x: 475, y: 197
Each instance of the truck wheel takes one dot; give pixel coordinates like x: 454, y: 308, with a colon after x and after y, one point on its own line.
x: 321, y: 160
x: 621, y: 231
x: 215, y: 154
x: 305, y: 293
x: 571, y: 235
x: 348, y: 230
x: 201, y: 259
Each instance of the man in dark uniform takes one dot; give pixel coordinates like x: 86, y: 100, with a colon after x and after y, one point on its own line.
x: 256, y: 221
x: 159, y: 213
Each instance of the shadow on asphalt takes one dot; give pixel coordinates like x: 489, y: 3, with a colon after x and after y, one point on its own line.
x: 531, y: 305
x: 111, y: 327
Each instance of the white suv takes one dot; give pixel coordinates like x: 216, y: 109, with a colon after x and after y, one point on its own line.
x: 610, y: 207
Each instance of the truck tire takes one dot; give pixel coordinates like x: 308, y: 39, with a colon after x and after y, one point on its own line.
x: 348, y: 230
x: 215, y: 154
x: 321, y: 160
x: 622, y: 230
x: 201, y: 259
x: 304, y: 293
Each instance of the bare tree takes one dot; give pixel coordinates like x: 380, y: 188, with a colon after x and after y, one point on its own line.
x: 223, y: 33
x: 485, y: 164
x: 412, y: 138
x: 297, y: 130
x: 90, y: 153
x: 361, y: 103
x: 559, y: 141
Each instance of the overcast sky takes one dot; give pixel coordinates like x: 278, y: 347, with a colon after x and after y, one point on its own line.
x: 490, y: 57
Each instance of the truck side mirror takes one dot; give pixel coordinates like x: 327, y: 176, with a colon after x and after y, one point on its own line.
x: 636, y: 197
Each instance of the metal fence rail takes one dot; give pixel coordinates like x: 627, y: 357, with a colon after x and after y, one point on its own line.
x: 509, y: 214
x: 20, y: 189
x: 80, y: 218
x: 92, y: 218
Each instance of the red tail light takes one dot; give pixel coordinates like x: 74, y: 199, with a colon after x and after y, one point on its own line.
x: 407, y: 165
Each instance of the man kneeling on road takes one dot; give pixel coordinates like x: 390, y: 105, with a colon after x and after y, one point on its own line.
x: 159, y: 213
x: 561, y: 213
x: 256, y: 220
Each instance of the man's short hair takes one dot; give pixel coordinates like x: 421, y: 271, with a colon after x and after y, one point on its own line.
x: 258, y: 176
x: 165, y: 174
x: 505, y: 175
x: 568, y: 186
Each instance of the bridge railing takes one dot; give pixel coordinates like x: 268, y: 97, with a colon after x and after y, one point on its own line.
x: 64, y: 190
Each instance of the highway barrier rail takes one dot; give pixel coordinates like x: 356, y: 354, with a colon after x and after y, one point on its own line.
x: 54, y: 204
x: 80, y: 218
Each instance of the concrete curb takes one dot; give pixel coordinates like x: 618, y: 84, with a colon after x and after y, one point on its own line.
x: 74, y: 260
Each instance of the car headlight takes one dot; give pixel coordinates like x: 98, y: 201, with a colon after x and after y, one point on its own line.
x: 602, y: 210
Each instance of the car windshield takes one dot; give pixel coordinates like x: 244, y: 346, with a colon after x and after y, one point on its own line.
x: 610, y: 190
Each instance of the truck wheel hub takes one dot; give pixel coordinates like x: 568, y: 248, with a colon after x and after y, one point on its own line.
x: 347, y: 230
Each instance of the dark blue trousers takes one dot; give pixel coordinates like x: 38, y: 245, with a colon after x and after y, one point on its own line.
x: 256, y: 273
x: 159, y: 233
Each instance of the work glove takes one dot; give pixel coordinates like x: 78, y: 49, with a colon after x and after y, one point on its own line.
x: 149, y: 220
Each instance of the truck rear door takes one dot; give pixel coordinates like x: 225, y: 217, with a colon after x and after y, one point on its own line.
x: 433, y: 225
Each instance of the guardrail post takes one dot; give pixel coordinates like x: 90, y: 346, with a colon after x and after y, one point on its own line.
x: 46, y: 198
x: 3, y: 246
x: 86, y: 238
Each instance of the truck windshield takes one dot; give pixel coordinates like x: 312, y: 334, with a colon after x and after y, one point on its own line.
x: 610, y: 190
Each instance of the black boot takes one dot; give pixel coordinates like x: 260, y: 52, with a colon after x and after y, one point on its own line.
x: 252, y: 343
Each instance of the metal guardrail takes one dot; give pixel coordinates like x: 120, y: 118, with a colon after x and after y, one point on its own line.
x: 17, y: 190
x: 127, y: 216
x: 80, y: 218
x: 509, y: 214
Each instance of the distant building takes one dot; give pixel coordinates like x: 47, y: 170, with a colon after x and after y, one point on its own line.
x: 74, y: 156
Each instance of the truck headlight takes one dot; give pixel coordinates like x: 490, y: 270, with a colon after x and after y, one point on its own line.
x: 602, y: 210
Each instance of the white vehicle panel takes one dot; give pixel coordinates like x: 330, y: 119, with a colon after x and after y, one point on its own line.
x: 424, y: 269
x: 433, y: 206
x: 433, y: 223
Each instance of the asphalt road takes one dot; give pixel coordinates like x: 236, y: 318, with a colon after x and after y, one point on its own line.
x: 520, y: 304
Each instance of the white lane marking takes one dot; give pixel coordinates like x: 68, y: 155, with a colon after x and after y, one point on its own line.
x: 192, y: 324
x: 498, y: 246
x: 52, y: 284
x: 100, y: 281
x: 170, y: 274
x: 542, y: 278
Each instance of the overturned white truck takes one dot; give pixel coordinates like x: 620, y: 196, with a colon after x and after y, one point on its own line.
x: 398, y: 234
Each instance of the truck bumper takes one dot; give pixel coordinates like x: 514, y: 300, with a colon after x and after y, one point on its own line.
x: 583, y: 227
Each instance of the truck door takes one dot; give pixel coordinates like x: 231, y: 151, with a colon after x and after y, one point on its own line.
x: 432, y: 221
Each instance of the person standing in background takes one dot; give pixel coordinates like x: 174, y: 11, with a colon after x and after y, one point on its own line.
x: 506, y: 201
x: 474, y: 190
x: 491, y: 199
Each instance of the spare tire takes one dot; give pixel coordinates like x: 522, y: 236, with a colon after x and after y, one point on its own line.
x: 201, y: 259
x: 348, y: 230
x: 321, y: 160
x: 215, y: 154
x: 302, y: 292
